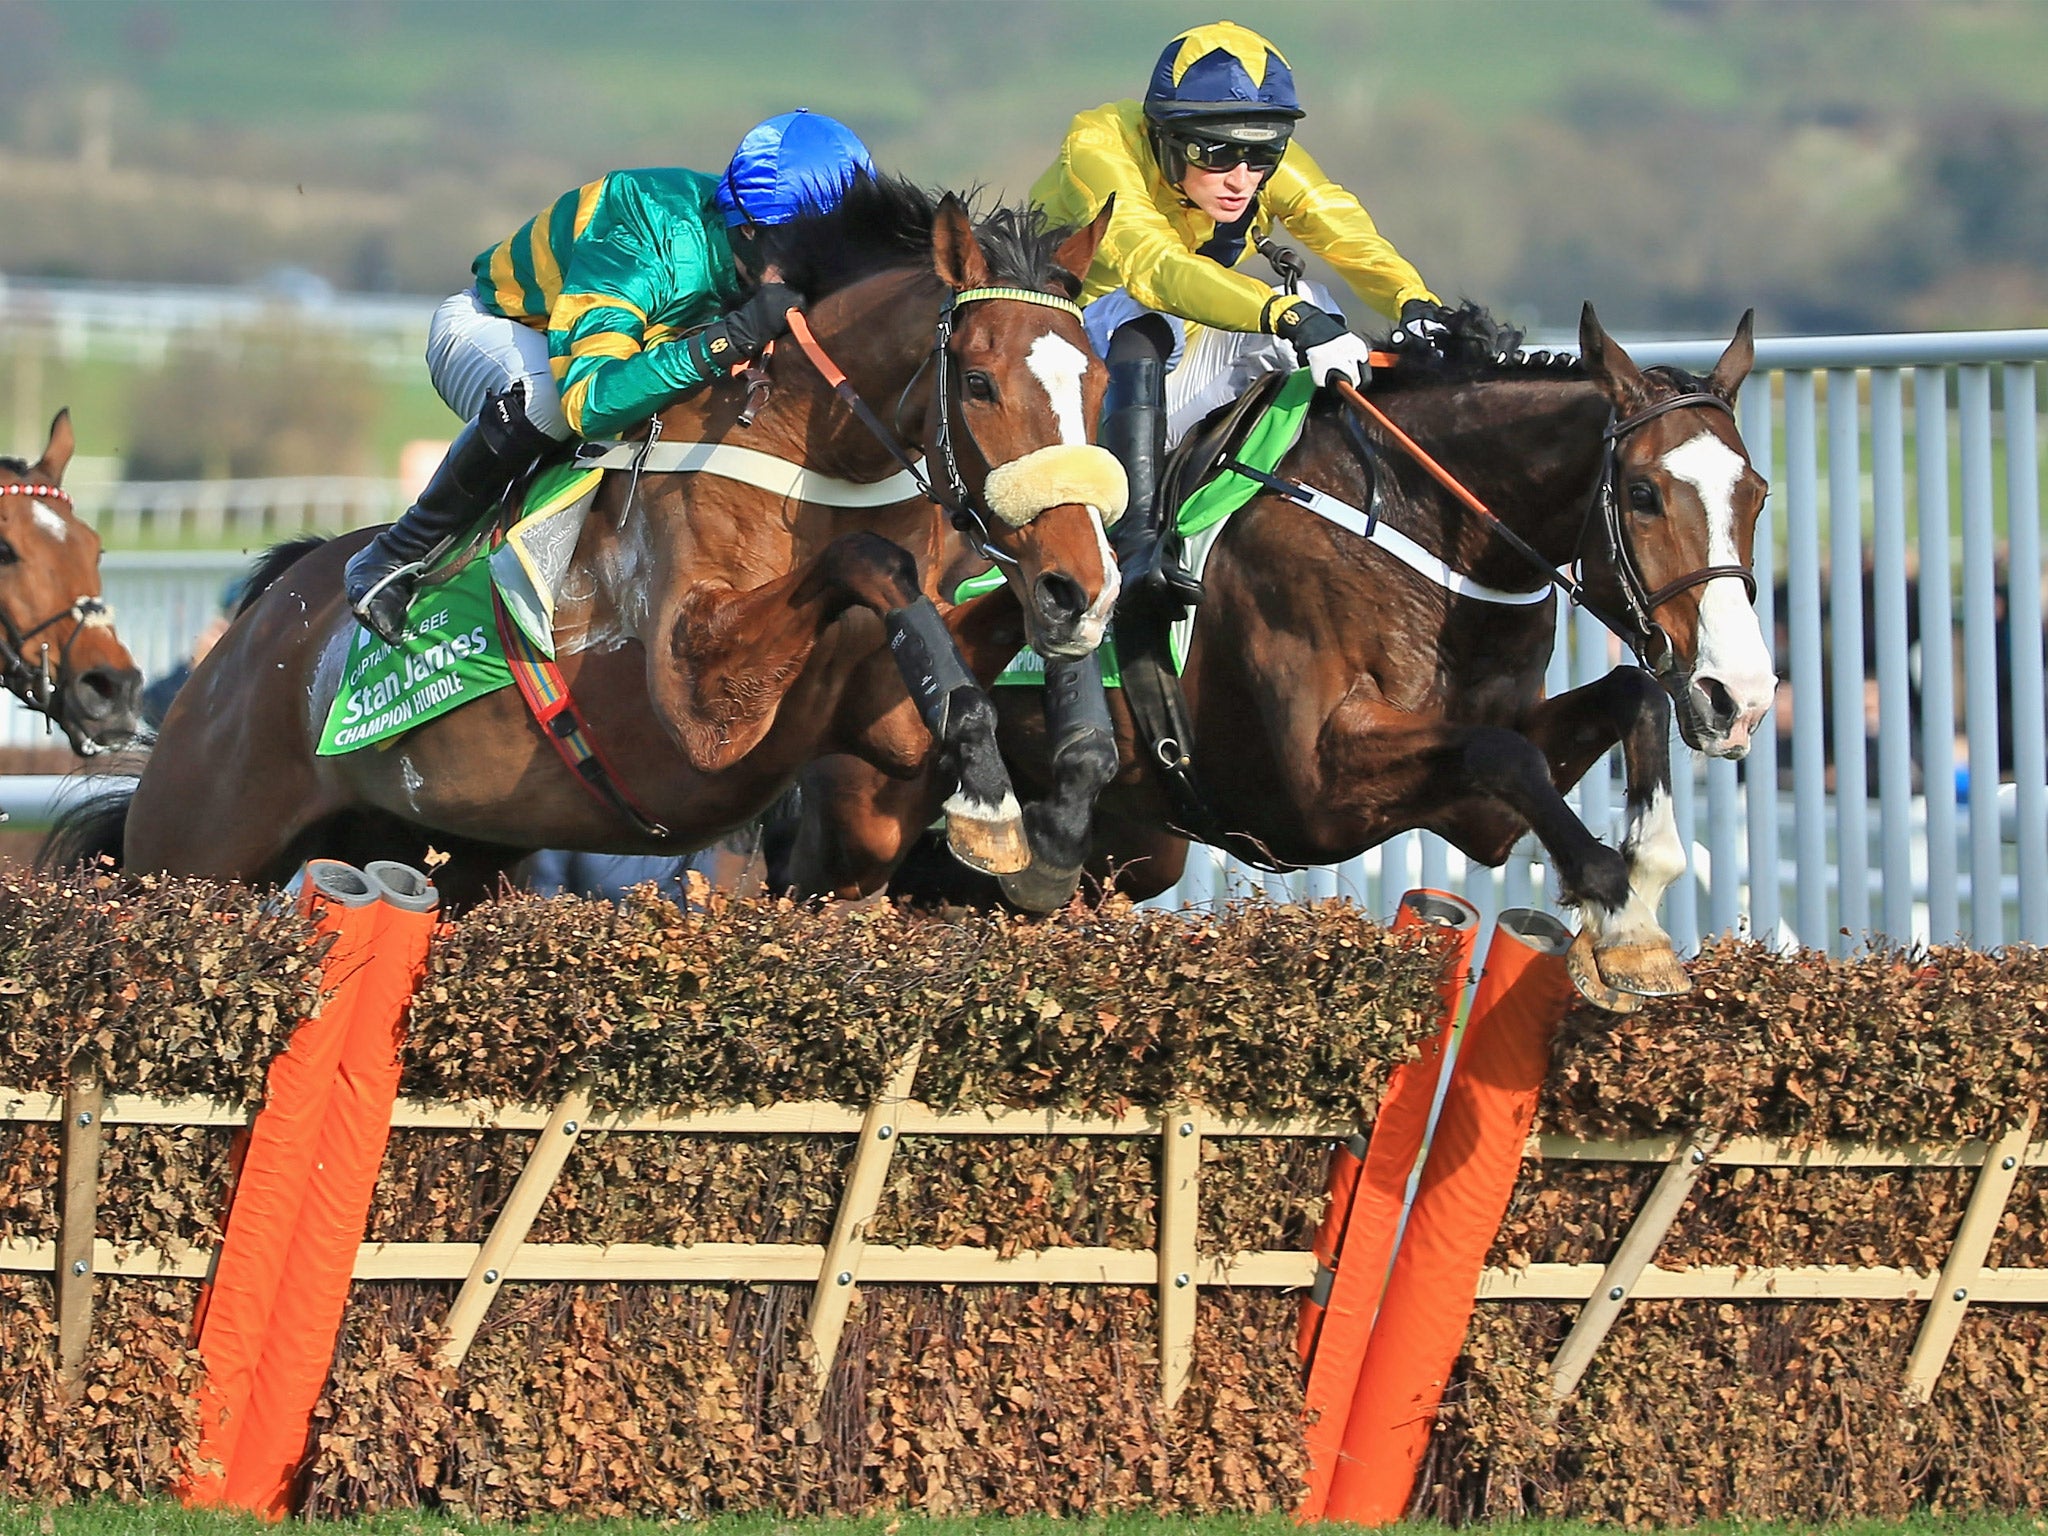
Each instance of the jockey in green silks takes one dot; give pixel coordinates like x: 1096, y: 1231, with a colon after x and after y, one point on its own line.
x: 623, y: 296
x: 1201, y: 169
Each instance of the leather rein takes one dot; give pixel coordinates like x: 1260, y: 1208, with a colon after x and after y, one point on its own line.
x: 1637, y: 624
x: 966, y: 515
x: 40, y: 687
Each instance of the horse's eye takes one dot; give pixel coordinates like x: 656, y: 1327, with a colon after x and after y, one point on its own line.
x: 1642, y: 498
x: 980, y: 386
x: 7, y: 554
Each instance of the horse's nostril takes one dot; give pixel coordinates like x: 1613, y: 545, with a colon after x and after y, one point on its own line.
x: 1060, y: 598
x: 1718, y: 704
x: 99, y: 692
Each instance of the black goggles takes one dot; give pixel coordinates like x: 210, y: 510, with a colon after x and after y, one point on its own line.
x: 1228, y: 155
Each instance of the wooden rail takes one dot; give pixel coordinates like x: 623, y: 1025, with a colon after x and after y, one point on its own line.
x: 1177, y: 1270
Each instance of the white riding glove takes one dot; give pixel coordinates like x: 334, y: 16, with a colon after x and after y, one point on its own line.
x: 1326, y: 346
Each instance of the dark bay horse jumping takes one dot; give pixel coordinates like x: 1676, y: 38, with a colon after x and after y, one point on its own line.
x: 1338, y: 695
x: 717, y: 635
x: 58, y: 651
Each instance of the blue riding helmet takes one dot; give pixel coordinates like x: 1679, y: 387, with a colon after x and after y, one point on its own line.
x: 1223, y: 81
x: 796, y: 163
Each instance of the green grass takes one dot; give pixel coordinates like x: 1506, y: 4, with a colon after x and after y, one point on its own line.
x: 165, y: 1519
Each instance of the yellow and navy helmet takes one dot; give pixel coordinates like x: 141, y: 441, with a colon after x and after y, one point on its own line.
x: 1223, y: 81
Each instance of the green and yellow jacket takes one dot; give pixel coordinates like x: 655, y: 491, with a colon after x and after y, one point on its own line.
x: 1155, y: 238
x: 614, y: 272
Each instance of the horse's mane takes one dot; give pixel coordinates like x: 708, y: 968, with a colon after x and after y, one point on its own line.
x: 13, y: 466
x: 885, y: 222
x: 1479, y: 349
x: 1482, y: 349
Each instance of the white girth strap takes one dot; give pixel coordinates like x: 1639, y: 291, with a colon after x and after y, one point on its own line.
x: 1406, y: 550
x: 732, y: 462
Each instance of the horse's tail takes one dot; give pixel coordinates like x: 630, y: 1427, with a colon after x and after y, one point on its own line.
x: 90, y: 829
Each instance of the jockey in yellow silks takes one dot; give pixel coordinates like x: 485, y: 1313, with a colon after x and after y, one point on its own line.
x: 1201, y: 169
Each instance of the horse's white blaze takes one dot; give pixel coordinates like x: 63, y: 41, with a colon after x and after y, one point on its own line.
x: 1059, y: 367
x: 49, y: 519
x: 1732, y: 650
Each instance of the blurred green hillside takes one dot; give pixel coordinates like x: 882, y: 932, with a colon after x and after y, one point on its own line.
x: 1840, y: 164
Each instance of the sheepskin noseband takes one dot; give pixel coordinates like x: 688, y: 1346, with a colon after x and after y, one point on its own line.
x: 1051, y: 477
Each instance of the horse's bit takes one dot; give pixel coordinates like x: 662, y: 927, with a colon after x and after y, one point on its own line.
x: 38, y: 686
x: 971, y: 520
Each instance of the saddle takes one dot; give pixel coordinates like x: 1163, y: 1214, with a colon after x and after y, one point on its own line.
x: 1201, y: 455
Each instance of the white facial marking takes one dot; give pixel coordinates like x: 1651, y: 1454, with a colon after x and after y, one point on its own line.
x: 50, y: 520
x: 1732, y: 650
x: 1059, y: 366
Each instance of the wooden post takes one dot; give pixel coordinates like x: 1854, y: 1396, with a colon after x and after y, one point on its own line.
x: 77, y: 1223
x: 1638, y: 1246
x: 1179, y: 1223
x: 832, y: 1297
x: 1966, y: 1259
x: 558, y: 1139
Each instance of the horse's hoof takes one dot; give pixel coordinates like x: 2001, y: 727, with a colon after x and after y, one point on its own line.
x: 991, y: 840
x: 1584, y: 969
x: 1041, y: 887
x: 1645, y: 970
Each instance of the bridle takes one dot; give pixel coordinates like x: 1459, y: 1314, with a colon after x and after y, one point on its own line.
x: 1648, y: 639
x: 40, y: 687
x: 966, y: 514
x: 1637, y: 623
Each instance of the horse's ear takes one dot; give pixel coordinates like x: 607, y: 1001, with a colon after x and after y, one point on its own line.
x: 956, y: 255
x: 1608, y: 366
x: 1736, y: 362
x: 58, y: 454
x: 1077, y: 252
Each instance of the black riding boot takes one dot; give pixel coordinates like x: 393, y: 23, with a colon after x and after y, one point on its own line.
x: 1134, y: 429
x: 485, y: 459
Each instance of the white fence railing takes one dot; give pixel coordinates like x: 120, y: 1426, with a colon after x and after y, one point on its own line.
x: 76, y: 321
x: 1924, y: 831
x: 248, y: 513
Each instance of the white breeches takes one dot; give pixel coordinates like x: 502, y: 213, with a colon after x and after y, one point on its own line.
x: 473, y: 354
x: 1208, y: 366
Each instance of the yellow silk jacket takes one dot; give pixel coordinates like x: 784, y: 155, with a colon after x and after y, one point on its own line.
x: 1155, y: 235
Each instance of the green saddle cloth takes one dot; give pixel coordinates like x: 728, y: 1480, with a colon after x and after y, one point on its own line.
x: 451, y: 651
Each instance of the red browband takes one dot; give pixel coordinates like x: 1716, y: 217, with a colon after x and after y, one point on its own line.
x: 40, y: 492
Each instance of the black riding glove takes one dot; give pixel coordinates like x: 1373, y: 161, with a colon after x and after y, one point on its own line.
x: 743, y: 334
x: 1325, y: 345
x: 1426, y: 323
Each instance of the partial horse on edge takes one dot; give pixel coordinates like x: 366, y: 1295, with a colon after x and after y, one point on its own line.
x: 59, y: 654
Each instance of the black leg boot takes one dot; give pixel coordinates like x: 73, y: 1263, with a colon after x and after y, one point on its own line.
x: 486, y: 457
x: 1134, y: 429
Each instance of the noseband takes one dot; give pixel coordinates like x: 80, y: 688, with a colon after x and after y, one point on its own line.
x: 965, y: 513
x: 1640, y: 604
x: 40, y: 688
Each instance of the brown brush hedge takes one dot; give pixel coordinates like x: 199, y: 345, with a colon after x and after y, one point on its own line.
x: 687, y: 1399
